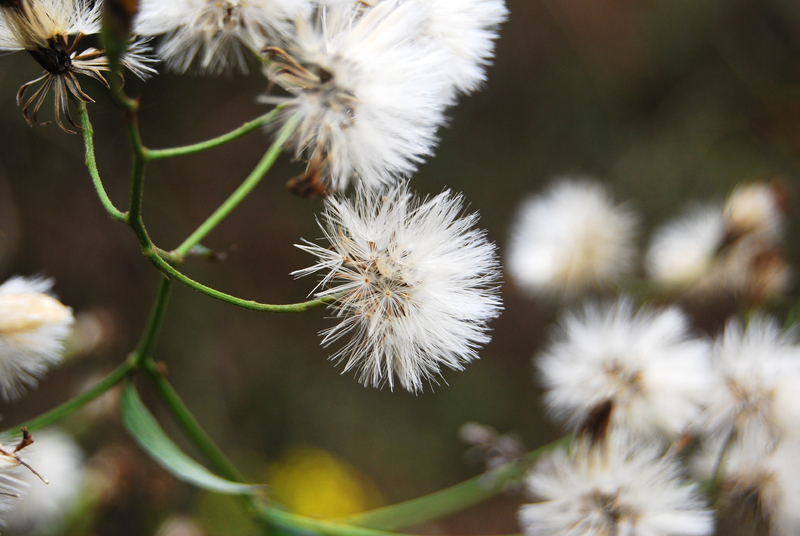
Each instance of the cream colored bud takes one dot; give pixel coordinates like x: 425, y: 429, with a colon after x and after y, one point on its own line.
x: 33, y: 326
x: 754, y: 208
x: 28, y: 312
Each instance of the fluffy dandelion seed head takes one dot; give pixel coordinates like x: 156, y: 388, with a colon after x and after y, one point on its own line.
x: 756, y: 382
x: 570, y: 238
x: 217, y: 35
x: 33, y: 326
x: 684, y: 249
x: 56, y: 456
x: 415, y: 284
x: 645, y: 364
x: 467, y: 30
x: 623, y: 489
x: 369, y: 94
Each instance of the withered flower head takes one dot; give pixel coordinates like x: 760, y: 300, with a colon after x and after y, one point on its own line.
x: 44, y: 28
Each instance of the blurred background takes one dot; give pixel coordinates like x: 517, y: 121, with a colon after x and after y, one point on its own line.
x: 667, y: 102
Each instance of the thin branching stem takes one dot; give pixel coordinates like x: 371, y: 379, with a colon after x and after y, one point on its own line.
x: 71, y: 406
x: 91, y: 164
x: 171, y: 272
x: 189, y: 424
x: 151, y: 332
x: 250, y: 126
x: 452, y: 499
x: 242, y: 191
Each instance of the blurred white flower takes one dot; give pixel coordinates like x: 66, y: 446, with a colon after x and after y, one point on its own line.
x: 755, y: 208
x: 415, y: 284
x: 33, y: 326
x: 56, y: 456
x: 179, y: 526
x: 11, y: 492
x: 43, y: 28
x: 752, y: 473
x: 756, y: 383
x: 217, y: 35
x: 685, y: 249
x: 733, y: 249
x: 370, y: 93
x: 641, y: 367
x: 467, y: 29
x: 570, y: 238
x: 621, y: 489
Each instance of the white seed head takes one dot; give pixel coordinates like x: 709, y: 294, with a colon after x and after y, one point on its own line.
x: 36, y: 22
x: 755, y: 469
x: 754, y: 208
x: 369, y: 93
x: 55, y: 455
x: 213, y: 36
x: 756, y: 382
x: 645, y: 364
x: 466, y: 29
x: 623, y: 489
x: 569, y: 239
x: 33, y: 326
x: 684, y: 250
x: 415, y: 284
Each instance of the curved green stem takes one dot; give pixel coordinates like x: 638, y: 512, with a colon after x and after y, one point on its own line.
x: 71, y: 406
x: 91, y: 164
x: 250, y: 126
x: 293, y: 522
x: 243, y: 190
x: 452, y: 499
x: 169, y: 271
x: 189, y: 424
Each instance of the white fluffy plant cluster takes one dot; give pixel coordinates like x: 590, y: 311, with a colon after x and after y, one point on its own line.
x: 33, y: 328
x: 574, y: 239
x: 369, y: 81
x: 659, y: 410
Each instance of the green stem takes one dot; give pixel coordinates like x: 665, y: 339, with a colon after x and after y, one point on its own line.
x: 156, y: 320
x: 91, y: 164
x: 243, y: 190
x: 171, y: 272
x: 189, y: 424
x: 250, y: 126
x: 450, y: 500
x: 71, y: 406
x: 293, y: 522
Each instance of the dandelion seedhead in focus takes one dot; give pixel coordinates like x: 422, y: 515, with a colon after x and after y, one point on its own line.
x: 370, y: 90
x: 43, y: 28
x: 414, y: 282
x: 619, y: 489
x: 638, y: 371
x: 217, y: 35
x: 570, y: 239
x: 33, y: 326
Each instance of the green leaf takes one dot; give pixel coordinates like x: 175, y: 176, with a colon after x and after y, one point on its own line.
x: 146, y: 431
